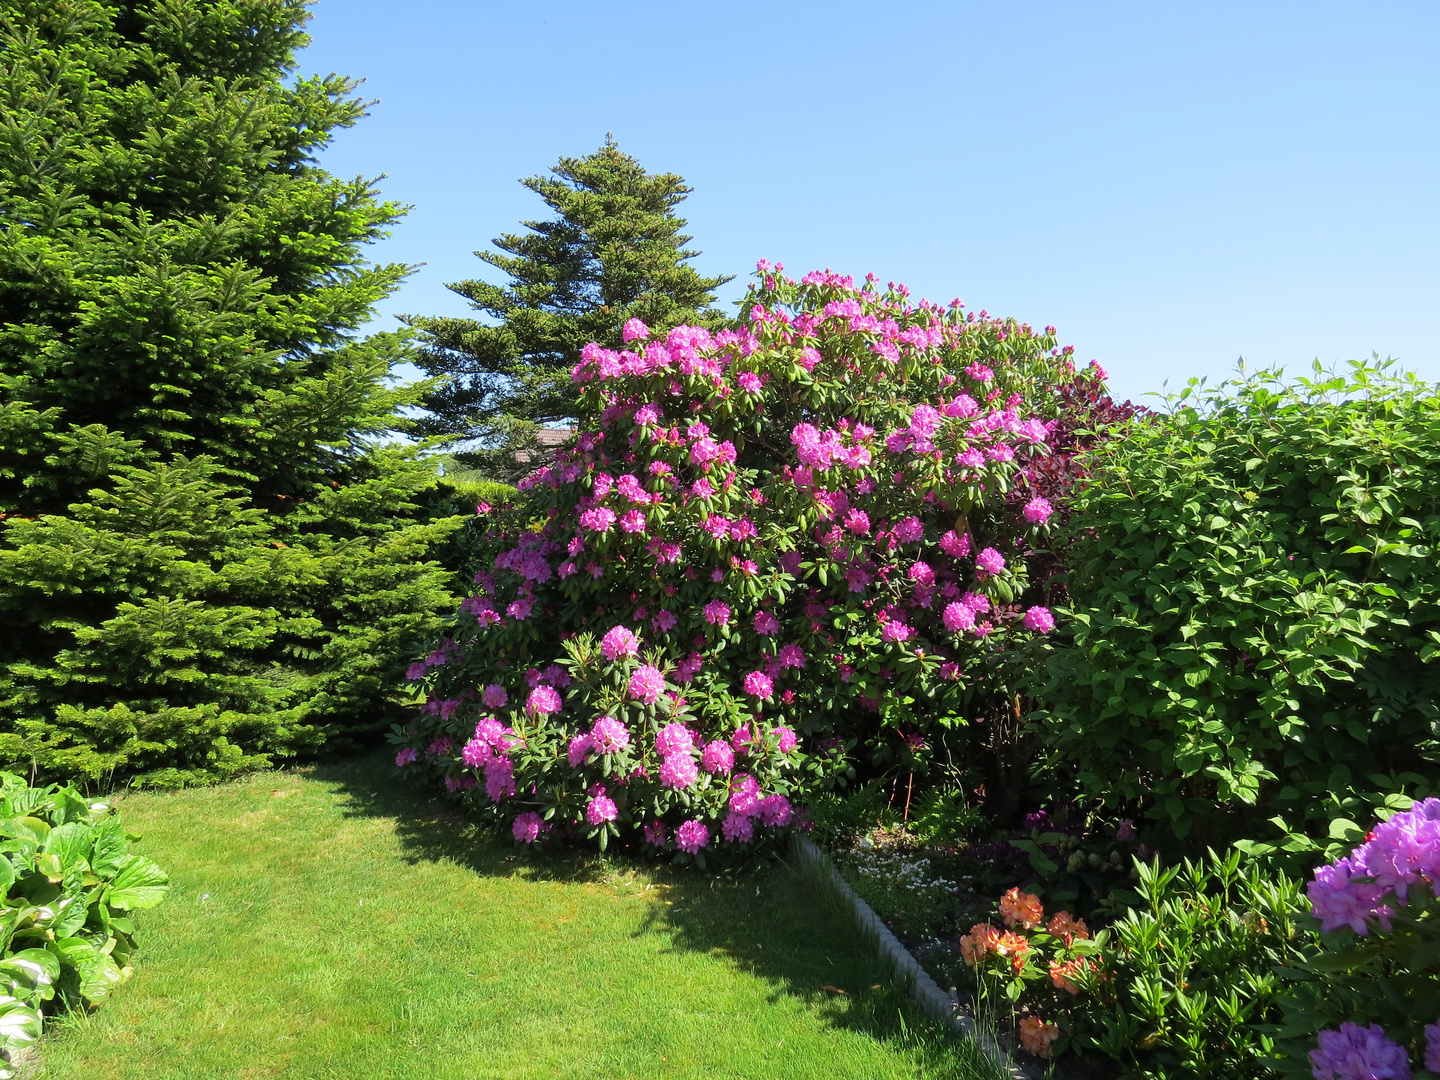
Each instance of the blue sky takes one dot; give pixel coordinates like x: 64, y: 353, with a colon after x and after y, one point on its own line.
x: 1172, y: 185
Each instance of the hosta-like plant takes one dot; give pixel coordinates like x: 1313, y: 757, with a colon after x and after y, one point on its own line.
x: 71, y: 885
x: 772, y: 549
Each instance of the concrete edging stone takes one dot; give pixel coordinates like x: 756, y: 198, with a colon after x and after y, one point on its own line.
x: 905, y: 969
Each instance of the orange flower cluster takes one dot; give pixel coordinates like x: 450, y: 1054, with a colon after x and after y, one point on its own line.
x: 1036, y: 1036
x: 1063, y: 975
x: 1063, y: 926
x: 1021, y: 909
x: 985, y: 939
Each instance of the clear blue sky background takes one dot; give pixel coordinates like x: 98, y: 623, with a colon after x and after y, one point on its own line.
x: 1173, y: 185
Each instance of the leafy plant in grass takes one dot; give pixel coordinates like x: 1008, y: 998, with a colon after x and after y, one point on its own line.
x: 71, y: 885
x: 804, y: 539
x: 1182, y: 986
x: 1252, y: 644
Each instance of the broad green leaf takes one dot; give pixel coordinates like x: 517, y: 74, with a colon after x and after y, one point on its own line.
x: 20, y: 1024
x: 140, y: 884
x: 110, y: 846
x: 72, y: 842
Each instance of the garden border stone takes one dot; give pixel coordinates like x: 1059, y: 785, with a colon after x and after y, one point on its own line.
x: 905, y: 969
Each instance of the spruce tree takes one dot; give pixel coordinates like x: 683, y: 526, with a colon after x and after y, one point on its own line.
x: 207, y: 556
x: 613, y: 251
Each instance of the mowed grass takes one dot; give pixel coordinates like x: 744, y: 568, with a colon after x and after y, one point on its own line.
x: 327, y: 923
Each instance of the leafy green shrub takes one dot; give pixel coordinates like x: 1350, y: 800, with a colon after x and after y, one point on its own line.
x: 1174, y: 989
x: 70, y: 886
x: 1253, y: 636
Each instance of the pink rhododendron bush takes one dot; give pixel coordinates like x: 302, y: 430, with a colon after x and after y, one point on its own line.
x: 772, y: 551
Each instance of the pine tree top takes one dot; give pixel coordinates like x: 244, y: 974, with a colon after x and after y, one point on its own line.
x: 614, y: 250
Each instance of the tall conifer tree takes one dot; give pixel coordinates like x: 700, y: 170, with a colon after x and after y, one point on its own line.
x: 206, y: 559
x: 614, y: 251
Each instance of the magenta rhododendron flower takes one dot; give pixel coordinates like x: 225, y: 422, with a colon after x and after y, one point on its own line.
x: 766, y: 624
x: 656, y: 834
x: 597, y: 519
x: 609, y: 736
x: 737, y: 828
x: 895, y: 630
x: 601, y: 809
x: 1040, y: 620
x: 786, y: 740
x: 674, y: 738
x: 408, y: 756
x: 718, y: 757
x: 543, y: 701
x: 634, y: 330
x: 758, y: 684
x: 475, y: 753
x: 774, y: 810
x: 646, y: 684
x: 1038, y: 511
x: 858, y: 522
x: 1432, y: 1048
x: 526, y: 827
x: 691, y: 836
x: 678, y: 771
x: 717, y: 613
x: 664, y: 621
x: 958, y: 617
x: 618, y: 643
x: 579, y: 748
x: 633, y: 521
x: 990, y: 560
x: 1359, y: 1053
x: 955, y: 546
x: 495, y: 697
x: 742, y: 738
x: 744, y: 794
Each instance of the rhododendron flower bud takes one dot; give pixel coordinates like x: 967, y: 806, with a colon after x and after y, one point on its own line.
x: 758, y: 684
x: 1040, y: 620
x: 646, y: 684
x: 618, y: 643
x: 609, y: 736
x: 786, y: 739
x: 495, y: 697
x: 674, y: 738
x: 526, y: 827
x: 601, y: 809
x: 634, y: 330
x: 718, y: 757
x: 691, y: 836
x: 990, y: 561
x: 543, y: 701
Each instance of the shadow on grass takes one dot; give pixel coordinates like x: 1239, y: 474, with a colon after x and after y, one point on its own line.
x: 772, y: 922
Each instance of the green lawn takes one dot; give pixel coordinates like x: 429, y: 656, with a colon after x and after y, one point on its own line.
x: 326, y: 923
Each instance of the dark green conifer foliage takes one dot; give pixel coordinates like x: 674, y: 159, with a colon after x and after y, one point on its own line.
x: 614, y: 251
x: 206, y: 558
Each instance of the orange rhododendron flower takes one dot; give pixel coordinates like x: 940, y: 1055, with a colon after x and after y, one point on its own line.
x: 1021, y: 909
x: 1062, y: 975
x: 979, y: 943
x: 1062, y: 925
x: 1036, y: 1036
x: 1013, y: 947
